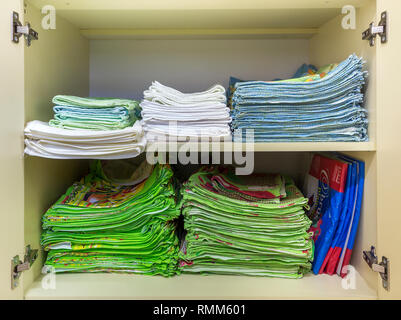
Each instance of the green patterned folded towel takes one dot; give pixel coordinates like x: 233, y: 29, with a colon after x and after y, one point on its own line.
x: 228, y: 233
x: 73, y: 112
x: 101, y: 226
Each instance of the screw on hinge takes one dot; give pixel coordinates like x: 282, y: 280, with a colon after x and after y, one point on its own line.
x: 382, y: 268
x: 17, y: 266
x: 381, y: 30
x: 18, y: 30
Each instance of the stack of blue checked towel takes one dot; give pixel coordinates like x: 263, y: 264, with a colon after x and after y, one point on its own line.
x: 326, y: 105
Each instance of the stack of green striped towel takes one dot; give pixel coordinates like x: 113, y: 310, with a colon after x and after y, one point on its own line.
x: 88, y: 128
x: 105, y: 223
x: 72, y: 112
x: 254, y: 225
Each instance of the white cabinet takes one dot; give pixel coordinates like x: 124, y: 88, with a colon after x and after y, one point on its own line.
x: 116, y: 48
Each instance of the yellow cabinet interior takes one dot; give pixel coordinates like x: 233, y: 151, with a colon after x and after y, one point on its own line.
x: 73, y: 59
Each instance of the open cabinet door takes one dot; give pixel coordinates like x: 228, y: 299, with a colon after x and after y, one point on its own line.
x: 11, y: 152
x: 389, y: 147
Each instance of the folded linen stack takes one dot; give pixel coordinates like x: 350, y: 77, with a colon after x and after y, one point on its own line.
x: 106, y: 225
x: 42, y: 140
x: 73, y: 112
x: 167, y: 112
x: 326, y: 106
x: 254, y: 225
x: 87, y: 128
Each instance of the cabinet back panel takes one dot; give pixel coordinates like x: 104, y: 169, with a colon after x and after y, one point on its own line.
x: 125, y: 68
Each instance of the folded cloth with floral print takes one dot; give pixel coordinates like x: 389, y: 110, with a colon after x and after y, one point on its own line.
x: 232, y: 231
x: 107, y: 224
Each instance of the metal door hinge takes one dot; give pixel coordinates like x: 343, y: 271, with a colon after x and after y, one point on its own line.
x: 382, y: 268
x: 20, y: 30
x: 381, y: 30
x: 17, y: 266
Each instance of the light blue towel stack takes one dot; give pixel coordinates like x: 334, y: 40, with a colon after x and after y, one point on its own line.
x: 73, y: 112
x: 320, y: 107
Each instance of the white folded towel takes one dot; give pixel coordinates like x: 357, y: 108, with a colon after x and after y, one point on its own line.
x: 154, y: 136
x: 40, y: 129
x: 169, y: 96
x: 43, y: 140
x: 200, y: 114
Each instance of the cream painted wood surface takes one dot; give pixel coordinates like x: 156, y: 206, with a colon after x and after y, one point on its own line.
x: 193, y: 4
x: 389, y: 147
x: 210, y: 19
x: 380, y: 221
x: 11, y: 152
x: 58, y: 63
x: 202, y: 34
x: 267, y: 146
x: 120, y: 286
x: 125, y: 68
x: 333, y: 43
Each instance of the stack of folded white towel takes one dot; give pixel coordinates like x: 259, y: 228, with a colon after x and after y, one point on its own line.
x: 167, y: 112
x: 45, y: 141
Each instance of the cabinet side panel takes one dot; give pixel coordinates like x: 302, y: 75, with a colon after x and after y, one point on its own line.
x: 11, y: 150
x: 389, y: 150
x: 333, y: 43
x: 58, y: 63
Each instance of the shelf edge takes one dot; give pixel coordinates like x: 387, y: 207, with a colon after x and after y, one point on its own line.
x: 197, y: 33
x: 115, y: 286
x: 263, y: 147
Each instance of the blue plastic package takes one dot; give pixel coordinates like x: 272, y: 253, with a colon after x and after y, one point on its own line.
x: 325, y: 189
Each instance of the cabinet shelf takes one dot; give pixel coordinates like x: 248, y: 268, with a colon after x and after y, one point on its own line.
x: 123, y: 286
x: 209, y: 19
x: 201, y: 34
x: 264, y: 146
x: 261, y: 147
x: 108, y: 5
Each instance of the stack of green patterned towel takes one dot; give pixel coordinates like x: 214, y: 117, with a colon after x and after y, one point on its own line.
x: 254, y: 225
x: 72, y: 112
x: 87, y: 128
x: 106, y: 223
